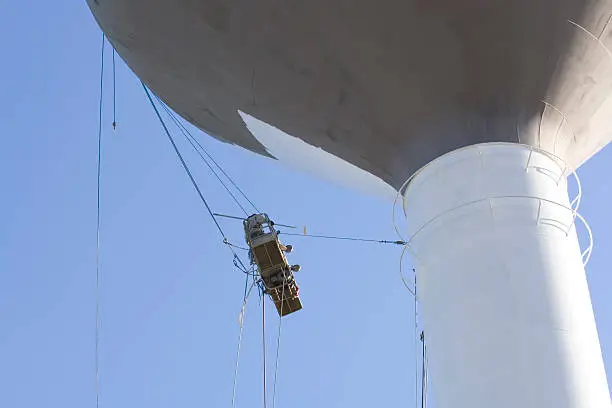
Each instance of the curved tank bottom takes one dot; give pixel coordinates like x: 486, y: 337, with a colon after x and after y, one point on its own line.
x: 388, y: 85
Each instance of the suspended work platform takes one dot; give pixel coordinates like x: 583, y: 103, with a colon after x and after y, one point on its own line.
x: 268, y: 254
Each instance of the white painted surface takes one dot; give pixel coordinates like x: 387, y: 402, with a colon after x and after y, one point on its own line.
x: 299, y: 155
x: 504, y: 298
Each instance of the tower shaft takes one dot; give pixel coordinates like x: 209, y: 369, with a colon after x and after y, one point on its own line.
x: 504, y: 298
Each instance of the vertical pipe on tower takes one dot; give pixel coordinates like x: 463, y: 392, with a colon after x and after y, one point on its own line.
x: 504, y: 298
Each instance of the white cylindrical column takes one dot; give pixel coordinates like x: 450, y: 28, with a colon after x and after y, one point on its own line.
x: 504, y: 299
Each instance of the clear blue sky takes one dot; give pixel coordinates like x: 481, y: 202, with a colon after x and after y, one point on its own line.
x: 169, y: 295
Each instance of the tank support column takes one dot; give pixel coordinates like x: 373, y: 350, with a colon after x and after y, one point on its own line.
x: 501, y: 282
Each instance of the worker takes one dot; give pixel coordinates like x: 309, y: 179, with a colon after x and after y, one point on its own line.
x: 256, y: 230
x: 286, y: 248
x: 255, y: 225
x: 277, y: 278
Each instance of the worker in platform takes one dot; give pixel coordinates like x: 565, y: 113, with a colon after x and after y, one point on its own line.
x: 255, y: 225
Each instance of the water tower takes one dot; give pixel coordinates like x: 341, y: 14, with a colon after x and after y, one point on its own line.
x: 477, y: 111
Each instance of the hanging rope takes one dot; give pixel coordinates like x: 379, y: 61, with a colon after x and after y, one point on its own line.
x: 278, y: 342
x: 114, y: 93
x: 193, y: 181
x: 416, y: 348
x: 426, y: 376
x: 380, y: 241
x: 180, y: 156
x: 412, y: 290
x: 241, y: 318
x: 241, y: 267
x: 217, y: 176
x: 97, y: 289
x: 263, y: 334
x: 236, y: 246
x: 242, y: 219
x: 189, y: 138
x: 423, y: 378
x: 219, y: 167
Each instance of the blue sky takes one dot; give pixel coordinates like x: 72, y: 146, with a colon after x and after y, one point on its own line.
x: 170, y: 298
